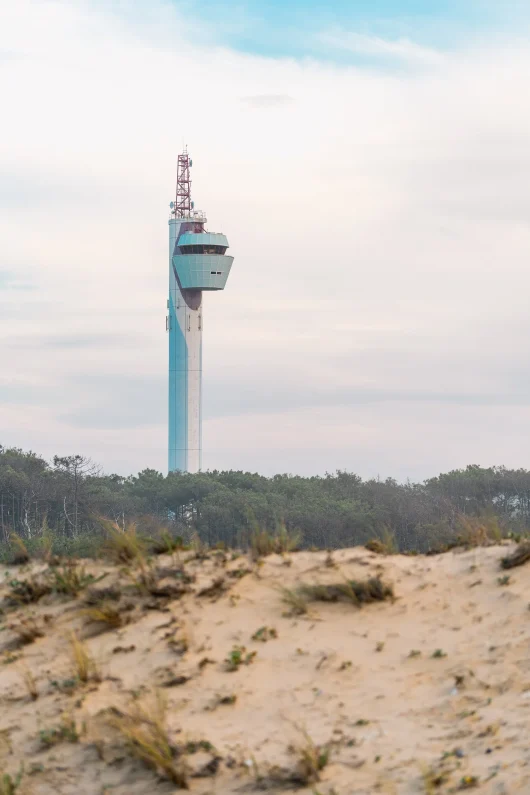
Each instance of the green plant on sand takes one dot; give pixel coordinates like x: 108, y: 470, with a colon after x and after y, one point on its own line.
x: 70, y: 579
x: 65, y: 732
x: 8, y: 784
x: 264, y: 634
x: 237, y: 657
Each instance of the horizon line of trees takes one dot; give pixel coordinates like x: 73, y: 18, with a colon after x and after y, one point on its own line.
x: 70, y: 494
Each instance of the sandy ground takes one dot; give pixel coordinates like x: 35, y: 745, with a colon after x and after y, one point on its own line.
x: 362, y: 680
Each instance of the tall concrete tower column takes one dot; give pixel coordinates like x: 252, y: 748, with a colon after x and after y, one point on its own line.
x: 197, y: 263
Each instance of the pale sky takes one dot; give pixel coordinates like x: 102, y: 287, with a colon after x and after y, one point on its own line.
x: 371, y: 169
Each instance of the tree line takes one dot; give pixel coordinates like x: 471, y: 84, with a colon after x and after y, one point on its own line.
x: 69, y: 496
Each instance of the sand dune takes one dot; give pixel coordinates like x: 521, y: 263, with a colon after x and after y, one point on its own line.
x: 429, y: 692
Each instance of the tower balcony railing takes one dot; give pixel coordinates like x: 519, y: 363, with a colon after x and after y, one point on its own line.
x: 193, y: 215
x: 202, y: 239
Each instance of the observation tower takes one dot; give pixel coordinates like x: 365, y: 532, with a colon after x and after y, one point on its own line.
x: 197, y: 263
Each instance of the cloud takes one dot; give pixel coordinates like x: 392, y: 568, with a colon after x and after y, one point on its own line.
x: 34, y: 190
x: 376, y: 315
x: 359, y: 441
x: 5, y: 278
x: 6, y: 55
x: 19, y: 393
x: 73, y: 341
x: 10, y: 280
x: 401, y: 49
x: 268, y: 100
x: 116, y: 401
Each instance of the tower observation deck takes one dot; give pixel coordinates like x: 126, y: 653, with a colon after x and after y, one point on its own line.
x: 197, y: 262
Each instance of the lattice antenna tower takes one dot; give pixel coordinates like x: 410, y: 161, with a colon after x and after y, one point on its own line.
x: 183, y: 203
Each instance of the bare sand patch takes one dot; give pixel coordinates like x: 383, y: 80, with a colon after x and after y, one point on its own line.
x: 426, y: 692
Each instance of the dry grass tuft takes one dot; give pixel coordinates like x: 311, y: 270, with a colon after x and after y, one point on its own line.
x: 145, y: 579
x: 468, y: 782
x: 124, y: 546
x: 95, y: 596
x: 312, y: 759
x: 104, y: 614
x: 46, y: 542
x: 70, y: 579
x: 84, y: 663
x: 162, y: 583
x: 479, y: 531
x: 179, y: 643
x: 433, y: 778
x: 30, y: 684
x: 19, y: 551
x: 27, y: 631
x: 294, y: 600
x: 176, y: 572
x: 518, y: 557
x: 145, y: 731
x: 159, y: 539
x: 27, y: 591
x: 385, y: 545
x: 148, y: 579
x: 376, y: 545
x: 356, y: 591
x: 263, y: 543
x: 167, y: 590
x: 165, y: 543
x: 215, y: 589
x: 199, y: 548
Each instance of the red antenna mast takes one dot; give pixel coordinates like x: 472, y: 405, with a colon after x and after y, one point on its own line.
x: 183, y: 204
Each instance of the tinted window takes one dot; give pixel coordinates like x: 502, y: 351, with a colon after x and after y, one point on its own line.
x: 206, y: 249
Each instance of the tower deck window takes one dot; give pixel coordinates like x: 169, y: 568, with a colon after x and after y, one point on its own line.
x: 200, y: 249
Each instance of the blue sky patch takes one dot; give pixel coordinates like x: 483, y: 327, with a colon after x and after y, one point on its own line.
x: 298, y: 28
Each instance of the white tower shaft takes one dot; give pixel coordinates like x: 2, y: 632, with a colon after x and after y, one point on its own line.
x: 197, y: 262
